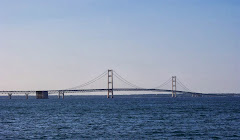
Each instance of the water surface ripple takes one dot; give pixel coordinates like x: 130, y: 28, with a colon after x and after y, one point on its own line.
x: 123, y: 117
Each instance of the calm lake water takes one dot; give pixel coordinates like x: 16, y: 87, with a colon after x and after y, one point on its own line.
x: 123, y: 117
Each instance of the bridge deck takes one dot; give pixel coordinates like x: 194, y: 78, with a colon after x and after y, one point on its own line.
x: 96, y: 90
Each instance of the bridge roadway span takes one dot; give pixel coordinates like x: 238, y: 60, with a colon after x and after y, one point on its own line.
x: 98, y: 90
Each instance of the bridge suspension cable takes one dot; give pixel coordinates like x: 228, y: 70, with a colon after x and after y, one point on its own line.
x: 125, y: 81
x: 183, y: 86
x: 164, y: 84
x: 90, y: 82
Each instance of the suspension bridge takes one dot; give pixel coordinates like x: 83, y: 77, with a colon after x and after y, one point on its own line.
x: 111, y: 77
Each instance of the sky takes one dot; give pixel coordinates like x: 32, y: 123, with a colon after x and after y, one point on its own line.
x: 59, y: 44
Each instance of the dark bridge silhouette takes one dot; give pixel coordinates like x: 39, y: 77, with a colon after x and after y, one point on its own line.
x: 110, y: 87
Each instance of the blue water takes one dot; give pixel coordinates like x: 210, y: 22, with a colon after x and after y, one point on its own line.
x: 123, y: 117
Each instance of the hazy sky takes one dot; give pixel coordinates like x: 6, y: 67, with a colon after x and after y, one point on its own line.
x: 56, y: 44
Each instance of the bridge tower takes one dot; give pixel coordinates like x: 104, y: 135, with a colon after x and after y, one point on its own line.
x: 174, y: 86
x: 110, y: 83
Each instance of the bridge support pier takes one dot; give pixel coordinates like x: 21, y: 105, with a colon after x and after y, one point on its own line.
x: 59, y: 94
x: 195, y: 95
x: 110, y: 83
x: 26, y: 95
x: 10, y: 95
x: 174, y: 86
